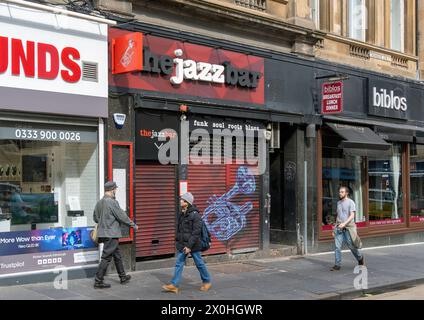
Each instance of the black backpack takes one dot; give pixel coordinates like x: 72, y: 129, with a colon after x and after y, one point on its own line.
x: 205, y: 237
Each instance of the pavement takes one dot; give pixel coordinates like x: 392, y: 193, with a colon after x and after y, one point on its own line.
x: 293, y: 278
x: 414, y: 293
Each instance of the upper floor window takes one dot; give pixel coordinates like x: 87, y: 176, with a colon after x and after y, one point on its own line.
x: 397, y: 23
x: 314, y: 5
x: 357, y: 19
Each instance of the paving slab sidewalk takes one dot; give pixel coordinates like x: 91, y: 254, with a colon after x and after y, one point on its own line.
x: 308, y: 277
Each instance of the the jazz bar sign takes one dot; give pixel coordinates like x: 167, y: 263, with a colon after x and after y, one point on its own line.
x: 332, y: 97
x: 159, y: 64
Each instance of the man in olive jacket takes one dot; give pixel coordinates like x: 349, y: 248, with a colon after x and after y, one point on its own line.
x: 189, y: 230
x: 109, y: 217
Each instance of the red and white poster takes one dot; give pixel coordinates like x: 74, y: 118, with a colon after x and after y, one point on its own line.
x: 332, y: 97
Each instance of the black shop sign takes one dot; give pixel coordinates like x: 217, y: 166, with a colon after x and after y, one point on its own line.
x: 150, y: 127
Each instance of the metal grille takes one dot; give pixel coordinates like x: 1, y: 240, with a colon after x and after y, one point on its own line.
x: 252, y: 4
x: 90, y: 71
x: 155, y: 208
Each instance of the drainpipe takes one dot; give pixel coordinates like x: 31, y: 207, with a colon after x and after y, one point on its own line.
x: 305, y: 208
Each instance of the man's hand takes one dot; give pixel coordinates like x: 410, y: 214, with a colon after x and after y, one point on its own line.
x: 342, y: 226
x: 187, y: 250
x: 135, y: 227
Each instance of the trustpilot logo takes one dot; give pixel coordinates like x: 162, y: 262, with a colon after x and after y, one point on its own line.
x: 208, y: 150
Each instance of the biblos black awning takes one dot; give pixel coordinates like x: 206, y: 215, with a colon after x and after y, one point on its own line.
x: 356, y: 137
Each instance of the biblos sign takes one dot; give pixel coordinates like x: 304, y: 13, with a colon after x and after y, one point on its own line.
x: 387, y: 99
x: 332, y: 97
x: 158, y: 64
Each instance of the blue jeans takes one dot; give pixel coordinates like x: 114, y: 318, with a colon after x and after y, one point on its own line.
x: 200, y: 264
x: 343, y: 236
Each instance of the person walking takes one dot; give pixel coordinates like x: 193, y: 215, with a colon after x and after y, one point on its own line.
x: 345, y: 229
x: 188, y: 242
x: 110, y: 217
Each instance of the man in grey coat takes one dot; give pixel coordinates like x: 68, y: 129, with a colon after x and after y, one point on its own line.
x: 109, y: 217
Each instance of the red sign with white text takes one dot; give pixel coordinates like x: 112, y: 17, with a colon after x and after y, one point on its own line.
x: 183, y: 68
x: 332, y: 97
x: 43, y: 60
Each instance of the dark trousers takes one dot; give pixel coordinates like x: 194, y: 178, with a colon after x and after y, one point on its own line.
x: 110, y: 250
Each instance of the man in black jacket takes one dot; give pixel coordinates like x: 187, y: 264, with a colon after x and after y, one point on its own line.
x: 109, y: 217
x: 189, y: 230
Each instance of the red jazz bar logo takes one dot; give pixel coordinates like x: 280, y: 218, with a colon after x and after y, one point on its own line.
x: 51, y: 62
x: 128, y: 54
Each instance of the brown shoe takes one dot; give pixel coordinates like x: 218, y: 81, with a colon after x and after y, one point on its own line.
x: 205, y: 287
x: 170, y: 288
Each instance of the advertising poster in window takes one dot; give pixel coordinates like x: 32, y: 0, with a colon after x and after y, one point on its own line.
x: 26, y: 251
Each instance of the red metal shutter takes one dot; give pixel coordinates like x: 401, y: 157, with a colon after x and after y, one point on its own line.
x: 205, y: 181
x: 155, y: 207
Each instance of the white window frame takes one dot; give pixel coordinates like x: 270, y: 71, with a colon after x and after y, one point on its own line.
x: 357, y: 17
x: 397, y: 44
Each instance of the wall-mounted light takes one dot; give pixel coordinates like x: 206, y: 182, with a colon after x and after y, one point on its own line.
x: 183, y: 108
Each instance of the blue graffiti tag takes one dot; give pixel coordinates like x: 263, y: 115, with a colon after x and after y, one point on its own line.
x: 225, y: 219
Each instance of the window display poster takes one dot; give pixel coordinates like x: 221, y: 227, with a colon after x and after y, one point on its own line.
x: 45, y: 250
x: 120, y: 177
x: 58, y: 239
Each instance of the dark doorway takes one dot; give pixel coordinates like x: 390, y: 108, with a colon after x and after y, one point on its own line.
x: 283, y: 187
x: 276, y: 174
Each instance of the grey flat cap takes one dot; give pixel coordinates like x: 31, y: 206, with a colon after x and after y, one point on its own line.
x: 188, y: 197
x: 110, y: 185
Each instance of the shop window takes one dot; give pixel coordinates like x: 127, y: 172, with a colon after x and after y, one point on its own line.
x: 45, y: 184
x: 385, y: 187
x: 417, y: 182
x: 340, y: 169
